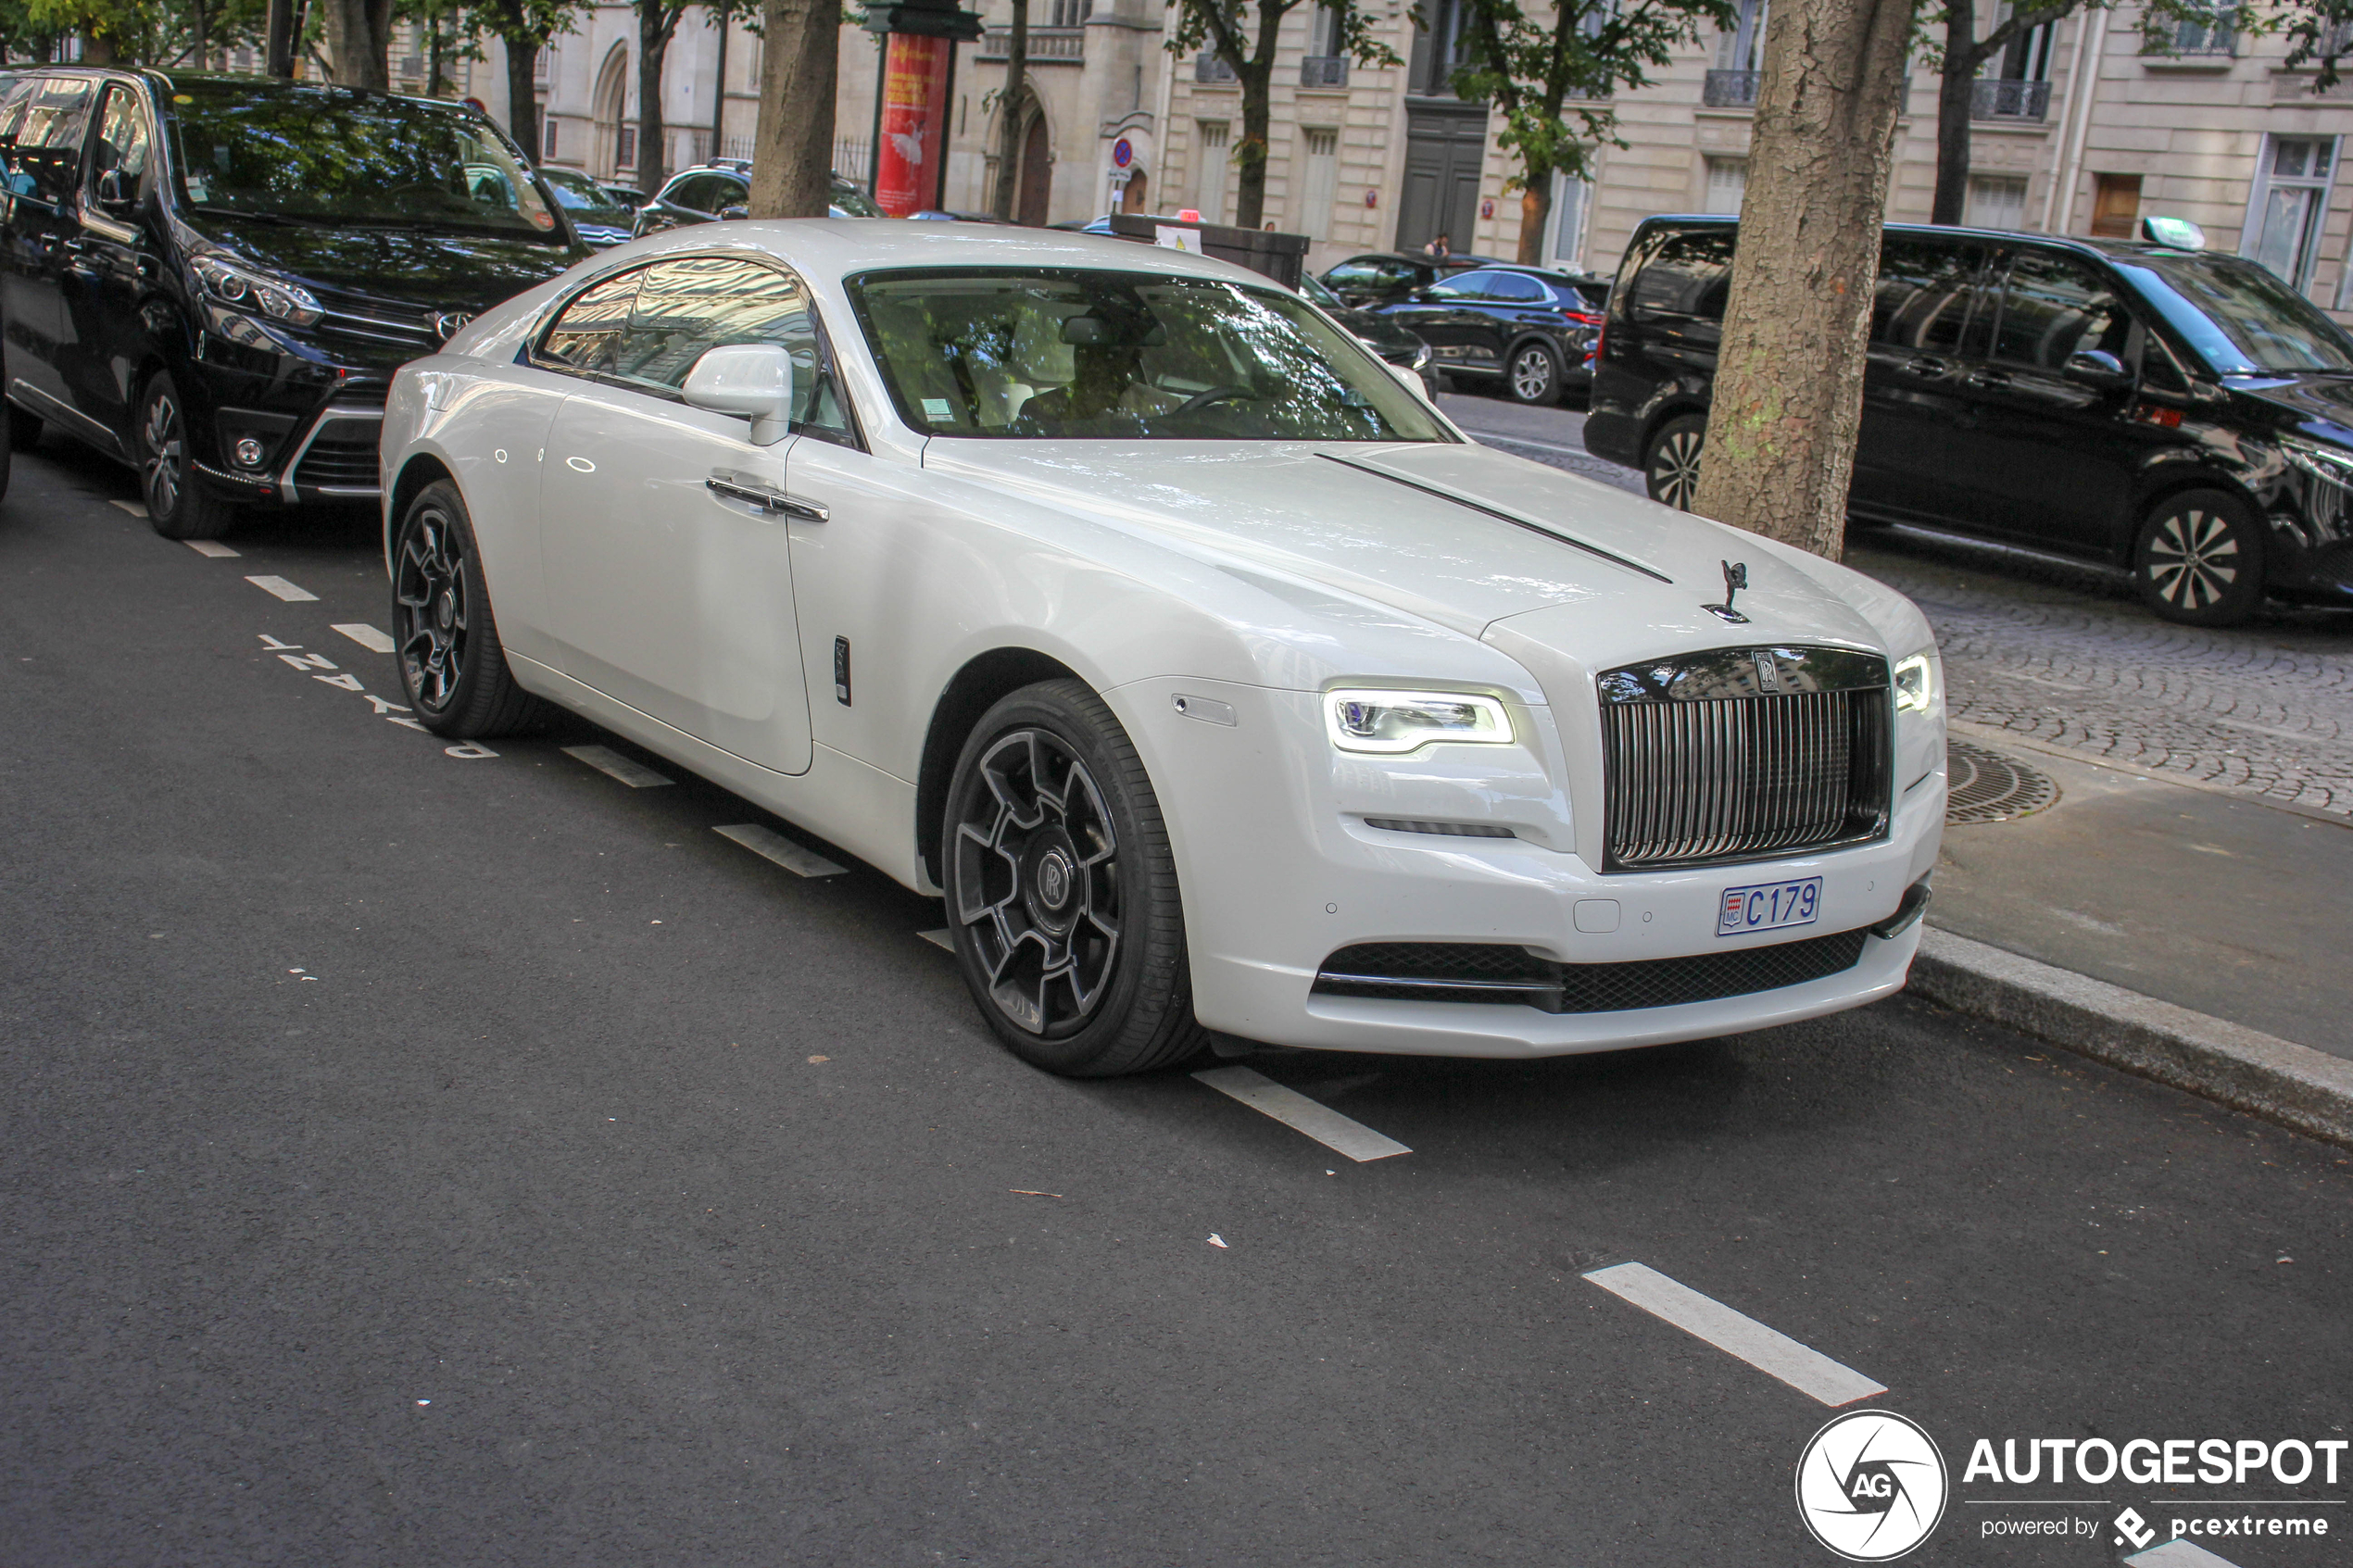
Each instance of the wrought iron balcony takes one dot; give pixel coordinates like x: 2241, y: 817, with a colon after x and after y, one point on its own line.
x: 2010, y: 100
x: 1048, y: 46
x: 1730, y: 89
x: 1324, y: 70
x: 1211, y: 67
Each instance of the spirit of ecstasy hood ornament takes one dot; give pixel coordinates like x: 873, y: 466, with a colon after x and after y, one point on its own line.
x: 1735, y: 579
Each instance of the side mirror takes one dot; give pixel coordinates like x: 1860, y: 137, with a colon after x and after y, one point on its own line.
x: 115, y: 191
x: 729, y: 214
x: 752, y: 380
x: 2097, y: 366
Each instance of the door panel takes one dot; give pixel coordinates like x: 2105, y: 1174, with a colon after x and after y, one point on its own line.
x: 107, y: 282
x: 44, y: 169
x: 1925, y: 329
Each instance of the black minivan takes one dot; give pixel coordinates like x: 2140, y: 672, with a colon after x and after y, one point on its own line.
x: 2182, y: 414
x: 213, y: 278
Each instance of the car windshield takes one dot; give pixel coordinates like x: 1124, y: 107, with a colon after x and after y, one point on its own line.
x: 330, y: 155
x: 2238, y: 316
x: 584, y: 198
x: 1088, y: 355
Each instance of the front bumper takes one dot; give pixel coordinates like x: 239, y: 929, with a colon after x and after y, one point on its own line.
x: 1279, y: 871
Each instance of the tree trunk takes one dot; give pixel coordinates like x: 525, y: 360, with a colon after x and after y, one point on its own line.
x: 1249, y: 154
x: 1789, y: 378
x: 522, y: 94
x: 655, y: 24
x: 1535, y: 212
x: 97, y: 49
x: 435, y: 82
x: 199, y: 35
x: 793, y: 151
x: 1962, y: 58
x: 719, y: 93
x: 360, y: 40
x: 1009, y: 108
x: 278, y: 47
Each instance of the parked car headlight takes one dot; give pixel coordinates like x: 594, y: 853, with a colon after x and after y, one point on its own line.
x: 1915, y: 684
x: 250, y: 288
x: 1392, y: 722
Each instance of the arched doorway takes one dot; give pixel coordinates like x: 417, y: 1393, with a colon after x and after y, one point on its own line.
x: 1131, y: 195
x: 1032, y: 196
x: 615, y: 146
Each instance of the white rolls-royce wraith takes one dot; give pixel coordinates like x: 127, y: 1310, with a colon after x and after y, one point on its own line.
x: 1214, y: 680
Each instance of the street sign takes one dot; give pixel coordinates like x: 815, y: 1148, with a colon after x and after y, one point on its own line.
x: 1123, y: 152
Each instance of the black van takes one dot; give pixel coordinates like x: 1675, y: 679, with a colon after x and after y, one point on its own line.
x: 2185, y: 414
x: 214, y: 277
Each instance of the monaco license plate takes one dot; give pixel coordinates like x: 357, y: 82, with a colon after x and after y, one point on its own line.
x: 1769, y: 906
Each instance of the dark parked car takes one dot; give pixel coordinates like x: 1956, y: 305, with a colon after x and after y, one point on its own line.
x: 712, y: 193
x: 1379, y: 277
x: 213, y: 278
x: 1377, y: 333
x: 1530, y: 330
x: 2184, y: 415
x: 598, y: 217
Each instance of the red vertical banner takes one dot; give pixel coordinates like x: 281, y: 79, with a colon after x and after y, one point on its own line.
x: 914, y: 124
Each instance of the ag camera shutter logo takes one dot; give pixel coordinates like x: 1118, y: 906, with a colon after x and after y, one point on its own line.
x: 1871, y: 1486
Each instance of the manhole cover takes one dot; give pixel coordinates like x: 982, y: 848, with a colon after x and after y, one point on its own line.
x: 1989, y: 787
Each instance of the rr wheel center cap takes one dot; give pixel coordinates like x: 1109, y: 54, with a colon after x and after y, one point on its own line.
x: 444, y: 609
x: 1054, y: 885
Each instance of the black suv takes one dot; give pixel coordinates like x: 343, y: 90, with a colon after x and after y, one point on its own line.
x: 2185, y: 414
x: 1529, y: 329
x: 214, y: 277
x: 714, y: 192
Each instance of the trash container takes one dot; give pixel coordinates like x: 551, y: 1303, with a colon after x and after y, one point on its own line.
x: 1279, y: 257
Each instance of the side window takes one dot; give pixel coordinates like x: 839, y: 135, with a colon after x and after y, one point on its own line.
x: 1689, y: 278
x: 1349, y: 274
x: 1926, y: 292
x: 49, y: 147
x: 1516, y: 288
x: 2055, y: 305
x: 1464, y: 285
x: 696, y: 192
x: 587, y: 337
x: 693, y: 305
x: 731, y: 193
x: 15, y: 100
x: 123, y: 139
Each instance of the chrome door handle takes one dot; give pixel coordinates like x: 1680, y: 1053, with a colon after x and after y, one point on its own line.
x: 1927, y: 367
x: 764, y: 498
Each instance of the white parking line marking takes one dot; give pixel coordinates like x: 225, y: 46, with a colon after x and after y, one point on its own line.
x: 783, y: 850
x: 1768, y: 1351
x: 614, y: 765
x: 212, y: 550
x: 284, y: 589
x: 367, y: 636
x: 1295, y: 1111
x: 942, y: 939
x: 134, y: 507
x: 2178, y: 1554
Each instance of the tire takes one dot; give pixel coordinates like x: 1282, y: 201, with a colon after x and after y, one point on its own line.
x: 1069, y: 931
x: 443, y: 635
x: 1535, y: 375
x: 2200, y: 560
x: 1670, y: 464
x: 177, y: 508
x: 24, y: 428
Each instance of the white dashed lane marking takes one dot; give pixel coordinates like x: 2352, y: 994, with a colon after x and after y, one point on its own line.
x: 942, y: 939
x: 212, y: 550
x: 284, y: 589
x: 367, y: 636
x: 2178, y: 1554
x: 783, y: 850
x: 610, y: 763
x: 1298, y: 1112
x: 1736, y: 1333
x: 133, y: 508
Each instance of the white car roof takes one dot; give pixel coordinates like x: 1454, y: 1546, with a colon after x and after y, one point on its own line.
x: 838, y: 247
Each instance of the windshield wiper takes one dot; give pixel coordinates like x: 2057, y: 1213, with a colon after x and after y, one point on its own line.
x: 279, y: 218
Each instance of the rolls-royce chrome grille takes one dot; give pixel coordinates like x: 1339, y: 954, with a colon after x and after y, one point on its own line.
x: 1744, y: 754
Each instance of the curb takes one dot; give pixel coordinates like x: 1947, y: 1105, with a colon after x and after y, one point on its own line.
x: 2294, y: 1086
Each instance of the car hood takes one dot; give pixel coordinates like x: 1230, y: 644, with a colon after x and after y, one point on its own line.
x: 1454, y: 533
x: 429, y: 271
x: 2325, y: 398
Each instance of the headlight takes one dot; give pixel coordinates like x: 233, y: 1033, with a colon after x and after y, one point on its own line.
x: 1915, y: 684
x: 250, y: 288
x: 1388, y: 723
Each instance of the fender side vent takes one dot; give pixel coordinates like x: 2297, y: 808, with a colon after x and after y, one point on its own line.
x: 1452, y: 830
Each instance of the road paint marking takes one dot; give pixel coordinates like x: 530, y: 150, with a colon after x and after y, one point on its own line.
x: 212, y: 550
x: 284, y: 589
x: 367, y: 636
x: 783, y: 850
x: 614, y: 765
x: 2178, y: 1554
x: 1767, y: 1349
x: 1298, y: 1112
x: 136, y: 509
x: 942, y: 938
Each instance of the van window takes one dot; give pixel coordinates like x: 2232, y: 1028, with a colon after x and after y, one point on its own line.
x: 1926, y: 292
x: 2055, y: 305
x: 1688, y: 277
x: 122, y: 138
x: 48, y: 159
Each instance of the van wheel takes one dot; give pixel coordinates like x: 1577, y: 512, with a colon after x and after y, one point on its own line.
x: 2200, y: 560
x: 1670, y: 469
x: 176, y: 508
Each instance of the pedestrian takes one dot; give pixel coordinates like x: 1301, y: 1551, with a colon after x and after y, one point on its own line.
x: 1438, y: 249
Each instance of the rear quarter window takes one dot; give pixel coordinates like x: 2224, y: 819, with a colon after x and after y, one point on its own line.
x: 1687, y: 278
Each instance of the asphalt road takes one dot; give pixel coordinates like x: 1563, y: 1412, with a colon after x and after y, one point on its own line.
x: 415, y: 1158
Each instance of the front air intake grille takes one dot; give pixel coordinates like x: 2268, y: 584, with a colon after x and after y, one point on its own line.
x: 344, y: 456
x: 1485, y: 972
x: 1744, y: 754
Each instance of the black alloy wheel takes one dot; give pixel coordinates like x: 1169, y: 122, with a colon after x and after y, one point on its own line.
x: 2200, y: 560
x: 1062, y: 890
x: 1670, y: 469
x: 177, y: 506
x: 443, y: 632
x: 1535, y: 375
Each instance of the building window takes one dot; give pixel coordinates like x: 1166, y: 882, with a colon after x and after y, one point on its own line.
x: 1743, y: 47
x: 2210, y: 32
x: 1208, y: 175
x: 551, y: 151
x: 1996, y: 201
x: 624, y: 147
x: 2116, y: 205
x: 2286, y: 209
x: 1320, y: 185
x: 1568, y: 248
x: 1070, y: 13
x: 1727, y: 179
